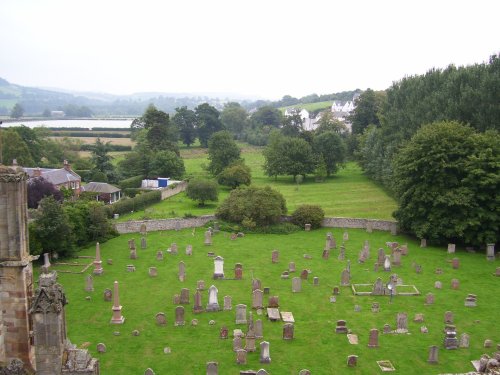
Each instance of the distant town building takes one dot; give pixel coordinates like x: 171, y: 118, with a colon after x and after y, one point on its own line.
x: 57, y: 114
x: 61, y: 177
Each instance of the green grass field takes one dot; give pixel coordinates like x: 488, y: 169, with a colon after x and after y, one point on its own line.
x: 309, y: 106
x: 346, y: 194
x: 316, y: 346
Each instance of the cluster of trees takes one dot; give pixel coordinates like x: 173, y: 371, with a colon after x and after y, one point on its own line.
x: 445, y: 174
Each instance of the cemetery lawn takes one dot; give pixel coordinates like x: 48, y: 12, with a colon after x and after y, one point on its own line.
x: 316, y: 346
x: 349, y: 193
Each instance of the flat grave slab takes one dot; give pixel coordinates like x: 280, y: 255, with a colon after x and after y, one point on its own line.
x: 386, y: 366
x: 353, y: 339
x: 273, y: 314
x: 287, y: 317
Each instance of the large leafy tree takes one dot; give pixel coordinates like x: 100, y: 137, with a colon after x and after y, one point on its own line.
x: 331, y: 148
x: 235, y: 175
x: 185, y: 120
x: 166, y: 164
x: 39, y: 188
x: 101, y: 158
x: 234, y: 118
x: 292, y: 124
x: 33, y: 139
x: 447, y: 180
x: 161, y: 134
x: 208, y: 121
x: 13, y: 147
x: 267, y: 115
x: 288, y: 156
x: 368, y: 107
x: 222, y: 151
x: 202, y: 190
x: 17, y: 111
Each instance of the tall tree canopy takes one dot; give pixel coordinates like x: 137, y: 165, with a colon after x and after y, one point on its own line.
x: 234, y: 118
x: 208, y: 121
x: 222, y: 152
x: 368, y: 107
x: 185, y: 120
x: 331, y: 148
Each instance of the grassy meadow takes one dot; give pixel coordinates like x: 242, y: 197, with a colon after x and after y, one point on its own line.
x: 347, y: 194
x: 316, y: 346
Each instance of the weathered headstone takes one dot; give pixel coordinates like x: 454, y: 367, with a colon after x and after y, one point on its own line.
x: 273, y: 302
x: 326, y: 254
x: 402, y: 323
x: 101, y: 348
x: 291, y: 267
x: 387, y: 328
x: 153, y: 272
x: 373, y: 338
x: 241, y: 314
x: 404, y: 249
x: 380, y: 257
x: 451, y: 248
x: 429, y: 299
x: 378, y: 288
x: 419, y: 318
x: 288, y: 330
x: 341, y: 256
x: 448, y: 317
x: 488, y: 343
x: 131, y: 244
x: 352, y: 360
x: 182, y: 271
x: 257, y: 299
x: 387, y: 263
x: 200, y: 285
x: 130, y: 268
x: 296, y: 285
x: 315, y: 280
x: 174, y: 250
x: 238, y: 271
x: 341, y: 327
x: 275, y: 256
x: 208, y: 238
x: 197, y: 308
x: 433, y: 354
x: 258, y: 329
x: 228, y: 303
x: 189, y: 250
x: 490, y: 251
x: 256, y: 284
x: 265, y: 356
x: 149, y: 371
x: 450, y: 340
x: 160, y: 319
x: 133, y: 253
x: 304, y: 274
x: 455, y: 284
x: 471, y: 300
x: 213, y: 303
x: 307, y: 227
x: 250, y: 344
x: 237, y: 343
x: 464, y: 340
x: 304, y: 372
x: 375, y: 307
x: 336, y: 291
x: 423, y: 242
x: 89, y: 283
x: 223, y: 333
x: 176, y: 299
x: 179, y: 316
x: 345, y: 236
x: 212, y: 368
x: 241, y: 357
x: 455, y: 263
x: 345, y: 278
x: 98, y: 270
x: 143, y: 243
x: 159, y: 255
x: 396, y: 260
x: 438, y: 285
x: 184, y: 299
x: 108, y: 295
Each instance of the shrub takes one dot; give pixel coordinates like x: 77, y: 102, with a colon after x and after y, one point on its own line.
x: 261, y: 205
x: 308, y: 214
x: 202, y: 191
x: 132, y: 182
x: 235, y: 175
x: 139, y: 202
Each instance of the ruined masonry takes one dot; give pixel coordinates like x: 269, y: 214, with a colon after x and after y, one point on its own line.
x: 27, y: 315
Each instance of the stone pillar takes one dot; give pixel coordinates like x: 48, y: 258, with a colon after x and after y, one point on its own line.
x: 117, y: 309
x: 98, y: 270
x: 16, y: 271
x: 49, y: 324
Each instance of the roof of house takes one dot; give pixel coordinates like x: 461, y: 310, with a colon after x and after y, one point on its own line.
x: 100, y: 187
x: 54, y: 176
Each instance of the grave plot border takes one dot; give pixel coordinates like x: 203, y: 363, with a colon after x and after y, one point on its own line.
x: 415, y: 291
x: 74, y: 264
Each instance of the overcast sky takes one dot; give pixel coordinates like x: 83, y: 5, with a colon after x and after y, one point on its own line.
x: 267, y: 48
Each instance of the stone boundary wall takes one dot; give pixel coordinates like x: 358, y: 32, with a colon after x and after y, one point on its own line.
x: 181, y: 223
x: 162, y: 224
x: 167, y: 193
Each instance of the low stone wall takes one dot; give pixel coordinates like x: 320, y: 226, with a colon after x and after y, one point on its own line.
x: 166, y: 193
x: 162, y: 224
x: 181, y: 223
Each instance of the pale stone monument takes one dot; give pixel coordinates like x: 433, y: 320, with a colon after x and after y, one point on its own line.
x: 98, y: 270
x: 218, y: 268
x: 213, y: 303
x: 117, y: 308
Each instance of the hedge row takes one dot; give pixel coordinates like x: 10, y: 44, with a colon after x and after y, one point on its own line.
x: 132, y: 182
x: 110, y: 147
x: 85, y: 134
x: 139, y: 202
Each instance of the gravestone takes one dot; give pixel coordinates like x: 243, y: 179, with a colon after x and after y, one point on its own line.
x: 208, y: 238
x: 89, y: 283
x: 288, y: 330
x: 464, y: 340
x: 429, y: 299
x: 490, y: 251
x: 131, y: 244
x: 258, y: 329
x: 296, y: 285
x: 174, y: 249
x: 304, y: 274
x: 241, y: 314
x: 373, y: 338
x: 234, y: 236
x: 200, y: 285
x: 159, y: 255
x: 380, y: 257
x: 257, y: 299
x: 176, y: 299
x: 378, y: 288
x: 218, y: 268
x: 352, y: 360
x: 451, y: 248
x: 357, y: 308
x: 182, y: 271
x: 256, y: 284
x: 455, y: 263
x: 273, y: 302
x: 109, y: 262
x: 375, y: 267
x: 497, y: 272
x: 153, y: 272
x: 341, y: 256
x: 448, y: 317
x: 265, y: 356
x: 423, y: 242
x: 439, y: 271
x: 336, y: 291
x: 237, y: 343
x: 184, y: 299
x: 224, y: 333
x: 304, y: 372
x: 450, y: 340
x: 316, y: 281
x: 455, y: 284
x: 307, y: 227
x: 326, y: 254
x: 133, y: 254
x: 404, y: 249
x: 108, y: 295
x: 267, y: 290
x: 189, y: 250
x: 438, y: 285
x: 345, y: 278
x: 101, y: 348
x: 470, y: 300
x: 375, y: 307
x: 250, y: 344
x: 212, y: 368
x: 143, y: 243
x: 143, y: 229
x: 402, y: 323
x: 197, y: 308
x: 396, y: 260
x: 345, y: 236
x: 419, y: 318
x: 238, y: 271
x: 262, y: 372
x: 275, y: 256
x: 98, y: 270
x: 341, y: 327
x: 241, y: 357
x: 179, y: 316
x: 433, y: 354
x: 149, y: 371
x: 387, y: 328
x: 488, y: 343
x: 213, y: 303
x: 228, y: 303
x: 291, y: 267
x: 387, y: 263
x: 160, y: 319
